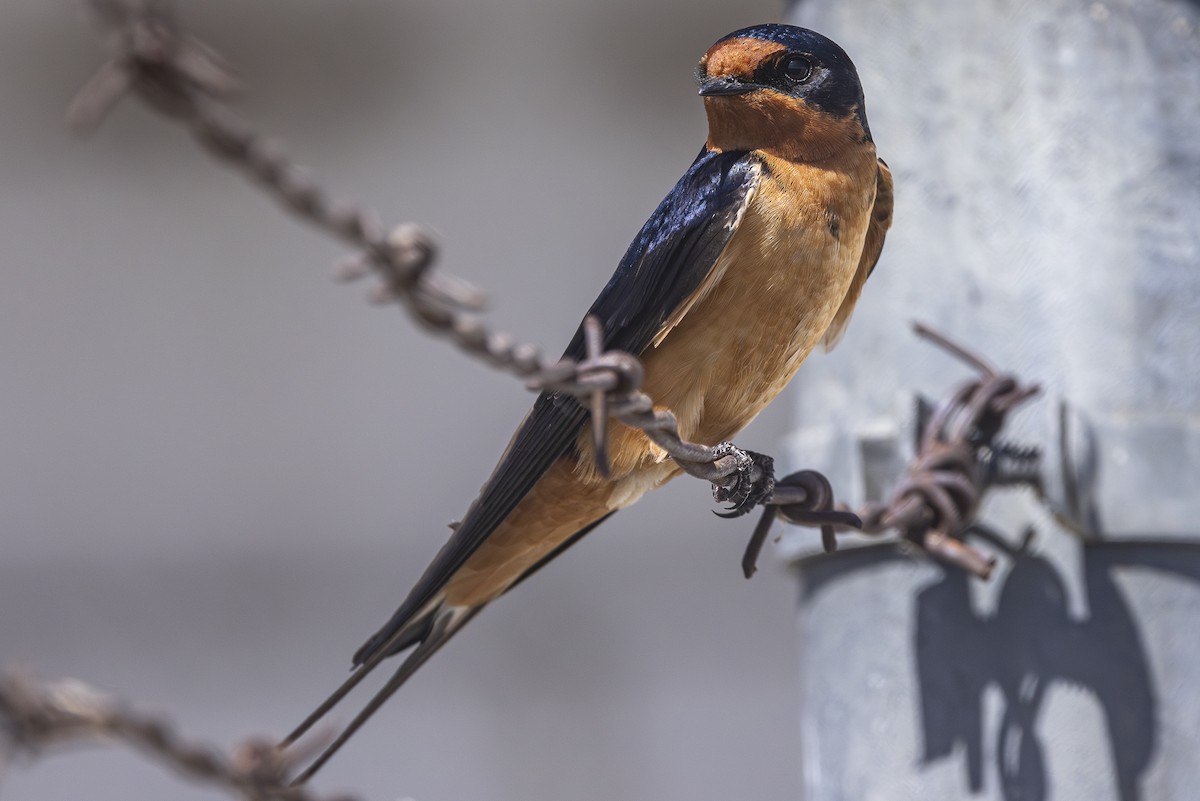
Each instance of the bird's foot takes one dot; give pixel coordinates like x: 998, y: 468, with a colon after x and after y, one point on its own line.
x: 753, y: 482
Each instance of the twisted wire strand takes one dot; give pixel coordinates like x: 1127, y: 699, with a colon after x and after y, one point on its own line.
x: 959, y: 460
x: 183, y: 78
x: 36, y: 716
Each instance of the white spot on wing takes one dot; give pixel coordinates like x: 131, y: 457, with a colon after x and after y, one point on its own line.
x: 719, y: 266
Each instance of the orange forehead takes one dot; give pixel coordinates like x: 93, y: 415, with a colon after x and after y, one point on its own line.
x: 738, y: 57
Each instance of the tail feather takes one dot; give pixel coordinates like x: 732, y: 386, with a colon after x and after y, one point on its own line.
x: 398, y: 635
x: 442, y: 624
x: 365, y: 660
x: 428, y: 629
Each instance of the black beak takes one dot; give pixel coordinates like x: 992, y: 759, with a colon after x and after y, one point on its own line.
x: 725, y: 85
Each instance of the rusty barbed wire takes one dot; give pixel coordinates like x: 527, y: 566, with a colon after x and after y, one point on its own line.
x: 35, y: 716
x: 959, y: 459
x: 183, y: 79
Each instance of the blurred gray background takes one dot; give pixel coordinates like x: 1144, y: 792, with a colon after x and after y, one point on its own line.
x: 1048, y: 188
x: 219, y: 472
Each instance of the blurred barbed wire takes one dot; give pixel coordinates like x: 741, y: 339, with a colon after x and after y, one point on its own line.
x: 37, y: 716
x: 183, y: 79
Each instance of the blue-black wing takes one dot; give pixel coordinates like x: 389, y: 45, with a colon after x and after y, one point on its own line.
x: 666, y: 262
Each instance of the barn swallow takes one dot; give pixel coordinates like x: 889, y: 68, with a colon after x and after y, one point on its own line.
x: 756, y: 256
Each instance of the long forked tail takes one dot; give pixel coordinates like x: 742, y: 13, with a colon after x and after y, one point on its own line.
x: 445, y: 623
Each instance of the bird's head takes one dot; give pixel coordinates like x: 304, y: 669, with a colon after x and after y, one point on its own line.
x: 786, y: 90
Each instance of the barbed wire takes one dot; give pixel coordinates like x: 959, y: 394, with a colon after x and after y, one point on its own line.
x: 183, y: 79
x: 36, y: 716
x: 958, y: 460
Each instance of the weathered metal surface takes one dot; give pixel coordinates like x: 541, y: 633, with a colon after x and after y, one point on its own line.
x: 1047, y: 170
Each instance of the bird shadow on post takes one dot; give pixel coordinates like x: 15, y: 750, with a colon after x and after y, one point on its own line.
x: 1028, y: 643
x: 1025, y: 645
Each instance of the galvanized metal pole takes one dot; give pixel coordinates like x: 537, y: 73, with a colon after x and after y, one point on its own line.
x: 1047, y: 165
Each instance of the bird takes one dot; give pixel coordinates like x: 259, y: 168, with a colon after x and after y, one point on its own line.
x: 755, y: 257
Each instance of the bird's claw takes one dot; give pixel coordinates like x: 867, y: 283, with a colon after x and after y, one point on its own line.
x: 745, y: 489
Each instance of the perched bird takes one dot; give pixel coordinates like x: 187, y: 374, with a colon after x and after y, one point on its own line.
x: 756, y: 256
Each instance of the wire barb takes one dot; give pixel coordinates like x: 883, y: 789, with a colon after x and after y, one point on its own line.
x: 804, y: 498
x: 959, y: 460
x: 593, y: 337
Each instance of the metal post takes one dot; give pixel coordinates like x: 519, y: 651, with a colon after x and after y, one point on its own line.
x: 1047, y: 166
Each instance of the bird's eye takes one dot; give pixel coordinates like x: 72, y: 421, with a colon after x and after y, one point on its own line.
x: 797, y: 68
